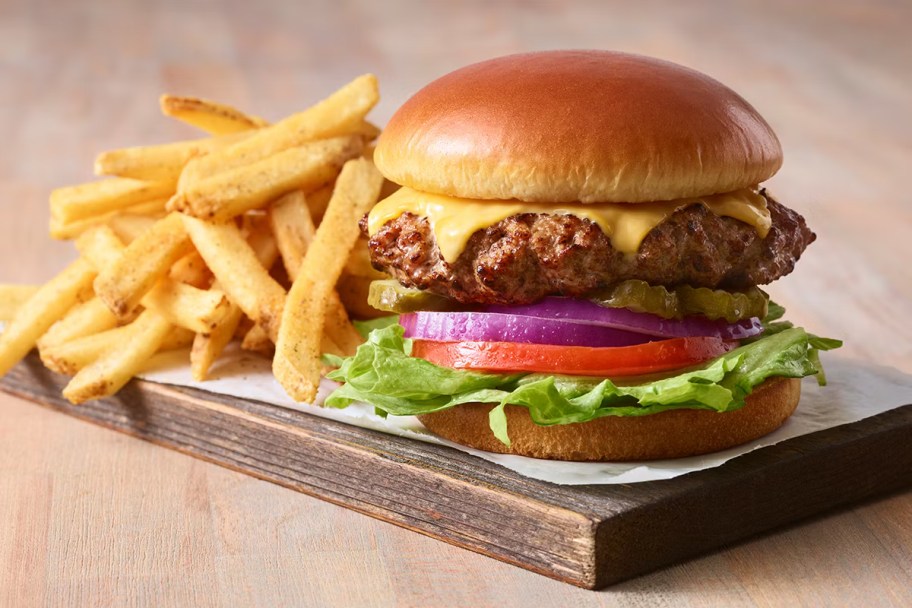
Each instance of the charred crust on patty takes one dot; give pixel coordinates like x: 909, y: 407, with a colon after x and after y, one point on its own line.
x: 526, y: 257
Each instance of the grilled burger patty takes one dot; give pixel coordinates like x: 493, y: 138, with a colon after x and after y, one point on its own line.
x: 528, y: 256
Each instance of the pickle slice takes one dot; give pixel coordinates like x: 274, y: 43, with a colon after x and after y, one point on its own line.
x: 719, y: 304
x: 684, y: 300
x: 638, y: 296
x: 390, y: 296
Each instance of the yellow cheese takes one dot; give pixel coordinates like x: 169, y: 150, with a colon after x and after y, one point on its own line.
x: 454, y: 220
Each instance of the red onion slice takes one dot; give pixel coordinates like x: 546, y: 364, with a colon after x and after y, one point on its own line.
x: 585, y: 311
x: 497, y: 327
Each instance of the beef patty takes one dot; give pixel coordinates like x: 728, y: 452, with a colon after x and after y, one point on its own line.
x: 528, y: 256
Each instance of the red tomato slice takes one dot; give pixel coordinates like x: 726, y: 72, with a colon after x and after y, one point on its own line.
x: 608, y: 362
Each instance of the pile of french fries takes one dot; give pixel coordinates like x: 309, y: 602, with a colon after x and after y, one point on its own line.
x: 189, y: 244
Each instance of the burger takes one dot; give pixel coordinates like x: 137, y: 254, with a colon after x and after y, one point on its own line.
x: 575, y: 253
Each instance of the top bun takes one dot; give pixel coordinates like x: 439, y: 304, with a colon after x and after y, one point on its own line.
x: 588, y: 126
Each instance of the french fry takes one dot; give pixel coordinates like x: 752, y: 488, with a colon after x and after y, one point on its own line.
x: 64, y: 231
x: 191, y: 269
x: 354, y: 284
x: 74, y: 203
x: 294, y: 231
x: 166, y: 263
x: 297, y: 360
x: 328, y: 346
x: 293, y: 228
x: 256, y: 229
x: 318, y: 199
x: 154, y: 208
x: 238, y: 271
x: 359, y: 263
x: 12, y: 297
x: 354, y: 291
x: 40, y: 311
x: 100, y: 246
x: 198, y: 310
x: 160, y: 163
x: 208, y: 346
x: 338, y: 325
x: 148, y: 211
x: 368, y: 130
x: 110, y: 372
x: 257, y: 340
x: 128, y: 226
x: 83, y: 319
x: 177, y: 338
x: 123, y: 283
x: 341, y: 113
x: 69, y: 357
x: 211, y: 116
x: 253, y: 186
x: 243, y: 327
x: 182, y: 304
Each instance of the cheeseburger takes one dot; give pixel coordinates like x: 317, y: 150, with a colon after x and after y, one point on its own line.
x: 575, y: 251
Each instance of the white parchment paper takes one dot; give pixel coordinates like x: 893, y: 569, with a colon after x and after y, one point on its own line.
x: 856, y: 390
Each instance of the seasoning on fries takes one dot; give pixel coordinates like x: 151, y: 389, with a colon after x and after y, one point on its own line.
x: 191, y: 244
x: 297, y: 360
x: 210, y: 116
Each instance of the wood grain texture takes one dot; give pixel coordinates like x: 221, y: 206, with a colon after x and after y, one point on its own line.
x: 589, y: 536
x: 93, y: 517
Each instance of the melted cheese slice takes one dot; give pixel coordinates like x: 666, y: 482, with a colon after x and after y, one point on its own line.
x: 454, y: 220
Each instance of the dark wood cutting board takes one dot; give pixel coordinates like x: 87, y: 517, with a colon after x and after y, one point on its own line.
x: 591, y: 536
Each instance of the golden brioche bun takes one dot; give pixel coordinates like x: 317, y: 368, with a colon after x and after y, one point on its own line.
x: 589, y: 126
x: 672, y: 434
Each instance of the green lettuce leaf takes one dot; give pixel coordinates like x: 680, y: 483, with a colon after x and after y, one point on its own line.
x: 366, y: 327
x: 383, y: 374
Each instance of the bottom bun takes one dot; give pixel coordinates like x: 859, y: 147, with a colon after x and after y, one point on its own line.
x: 673, y: 434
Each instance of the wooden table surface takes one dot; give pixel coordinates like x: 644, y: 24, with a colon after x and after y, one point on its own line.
x: 93, y: 517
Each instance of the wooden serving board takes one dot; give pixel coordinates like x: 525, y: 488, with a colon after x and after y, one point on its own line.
x: 591, y: 536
